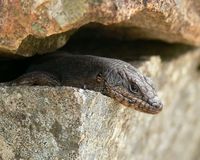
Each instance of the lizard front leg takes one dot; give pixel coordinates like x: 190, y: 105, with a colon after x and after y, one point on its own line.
x: 35, y: 78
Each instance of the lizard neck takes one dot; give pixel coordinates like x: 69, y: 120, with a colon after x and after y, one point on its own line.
x: 72, y: 70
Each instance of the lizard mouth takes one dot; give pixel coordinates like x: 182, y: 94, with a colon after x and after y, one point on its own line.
x: 147, y: 107
x: 135, y: 102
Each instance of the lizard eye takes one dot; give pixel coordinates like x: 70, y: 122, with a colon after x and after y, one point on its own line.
x: 134, y: 88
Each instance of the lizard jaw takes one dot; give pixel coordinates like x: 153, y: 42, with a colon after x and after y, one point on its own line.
x: 135, y: 102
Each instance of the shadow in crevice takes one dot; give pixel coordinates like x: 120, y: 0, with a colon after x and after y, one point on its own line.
x: 90, y: 41
x: 97, y: 40
x: 11, y: 68
x: 127, y: 50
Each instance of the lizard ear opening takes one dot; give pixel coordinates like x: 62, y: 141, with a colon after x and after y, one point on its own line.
x: 99, y: 77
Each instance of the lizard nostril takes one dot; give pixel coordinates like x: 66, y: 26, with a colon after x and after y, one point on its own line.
x: 158, y: 106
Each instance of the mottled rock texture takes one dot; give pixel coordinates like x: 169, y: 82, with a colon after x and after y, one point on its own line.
x: 40, y: 26
x: 67, y: 123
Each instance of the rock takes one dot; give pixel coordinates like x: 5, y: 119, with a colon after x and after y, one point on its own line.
x: 40, y: 26
x: 68, y: 123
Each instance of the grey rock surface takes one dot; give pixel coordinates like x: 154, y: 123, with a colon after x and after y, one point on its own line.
x: 45, y: 123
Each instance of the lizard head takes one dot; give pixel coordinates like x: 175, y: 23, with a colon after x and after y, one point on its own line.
x: 131, y: 88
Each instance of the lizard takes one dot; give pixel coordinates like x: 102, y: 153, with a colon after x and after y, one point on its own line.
x: 112, y: 77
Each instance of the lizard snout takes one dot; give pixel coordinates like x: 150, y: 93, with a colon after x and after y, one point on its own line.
x: 156, y: 104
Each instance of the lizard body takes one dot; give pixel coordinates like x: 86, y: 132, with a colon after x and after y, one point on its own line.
x: 112, y: 77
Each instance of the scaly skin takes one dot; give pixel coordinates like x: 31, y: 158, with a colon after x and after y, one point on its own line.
x: 114, y: 78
